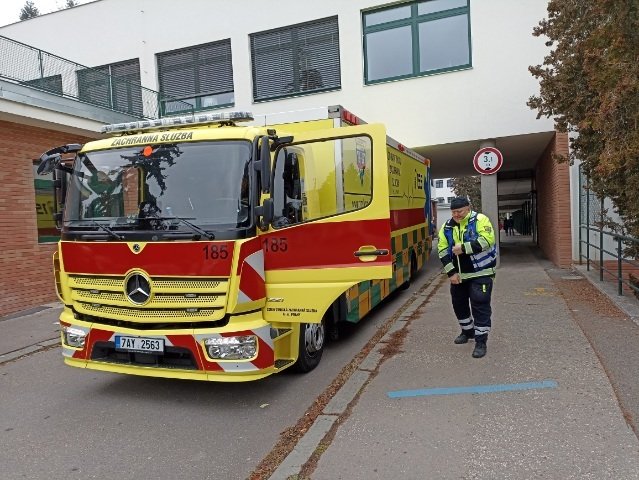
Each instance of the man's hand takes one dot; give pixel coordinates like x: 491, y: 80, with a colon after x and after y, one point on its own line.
x: 457, y: 249
x: 455, y: 279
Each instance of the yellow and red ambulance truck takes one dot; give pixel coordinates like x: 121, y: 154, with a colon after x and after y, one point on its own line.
x: 224, y: 247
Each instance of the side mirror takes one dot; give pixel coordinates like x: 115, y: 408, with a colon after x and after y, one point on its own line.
x: 262, y: 161
x: 267, y: 212
x: 265, y: 164
x: 57, y: 218
x: 50, y: 159
x: 48, y: 163
x: 59, y: 193
x: 51, y: 163
x: 60, y: 182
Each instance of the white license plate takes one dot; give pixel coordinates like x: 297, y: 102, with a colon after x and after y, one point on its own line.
x: 139, y: 344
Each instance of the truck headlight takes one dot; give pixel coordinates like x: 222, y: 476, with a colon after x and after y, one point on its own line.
x: 231, y: 348
x: 74, y: 337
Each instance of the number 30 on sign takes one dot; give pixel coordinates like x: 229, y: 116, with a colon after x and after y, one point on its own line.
x: 488, y: 160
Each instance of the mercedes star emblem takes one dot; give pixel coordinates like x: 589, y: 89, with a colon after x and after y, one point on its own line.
x: 138, y: 289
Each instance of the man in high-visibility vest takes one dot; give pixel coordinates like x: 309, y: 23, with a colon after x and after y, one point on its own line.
x: 467, y: 250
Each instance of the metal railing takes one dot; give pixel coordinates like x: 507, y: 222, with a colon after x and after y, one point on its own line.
x: 35, y: 68
x: 592, y: 218
x: 617, y: 255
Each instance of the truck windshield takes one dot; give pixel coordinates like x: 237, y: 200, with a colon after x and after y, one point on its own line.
x: 205, y: 184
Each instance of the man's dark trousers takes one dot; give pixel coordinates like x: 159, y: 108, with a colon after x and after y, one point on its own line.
x: 473, y: 295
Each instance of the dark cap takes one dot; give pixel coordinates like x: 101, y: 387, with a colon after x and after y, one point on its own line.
x: 459, y: 202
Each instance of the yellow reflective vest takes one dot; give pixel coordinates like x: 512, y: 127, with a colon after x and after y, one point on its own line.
x: 477, y: 236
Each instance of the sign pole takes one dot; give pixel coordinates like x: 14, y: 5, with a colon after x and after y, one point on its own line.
x: 489, y: 201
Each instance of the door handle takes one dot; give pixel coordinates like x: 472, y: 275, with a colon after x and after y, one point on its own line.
x: 370, y: 251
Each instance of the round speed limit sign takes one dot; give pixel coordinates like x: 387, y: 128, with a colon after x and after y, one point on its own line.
x: 488, y: 160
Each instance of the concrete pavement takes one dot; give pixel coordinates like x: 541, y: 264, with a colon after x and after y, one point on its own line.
x: 28, y: 332
x: 539, y: 405
x: 548, y: 401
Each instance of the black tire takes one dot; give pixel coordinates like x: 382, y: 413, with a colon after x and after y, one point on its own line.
x: 411, y: 273
x: 311, y: 346
x: 335, y: 319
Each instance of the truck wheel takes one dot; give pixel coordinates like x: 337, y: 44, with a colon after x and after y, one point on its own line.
x: 311, y: 346
x: 411, y: 273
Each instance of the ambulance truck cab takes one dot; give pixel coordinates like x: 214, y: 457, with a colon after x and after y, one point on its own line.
x: 225, y: 247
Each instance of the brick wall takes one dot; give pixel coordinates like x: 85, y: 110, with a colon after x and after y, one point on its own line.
x: 553, y: 203
x: 27, y: 278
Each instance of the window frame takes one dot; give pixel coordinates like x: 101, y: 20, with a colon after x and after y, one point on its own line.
x: 197, y: 107
x: 253, y: 49
x: 439, y: 183
x: 275, y: 179
x: 414, y: 21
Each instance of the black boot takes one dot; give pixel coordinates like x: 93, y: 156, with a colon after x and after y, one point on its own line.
x: 464, y: 336
x: 480, y: 347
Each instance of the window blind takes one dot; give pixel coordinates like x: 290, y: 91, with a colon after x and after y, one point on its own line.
x: 296, y: 59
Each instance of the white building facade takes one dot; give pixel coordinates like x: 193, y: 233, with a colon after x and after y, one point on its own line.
x: 435, y: 72
x: 445, y: 77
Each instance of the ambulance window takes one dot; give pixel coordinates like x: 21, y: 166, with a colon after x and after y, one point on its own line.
x: 321, y: 179
x: 287, y: 187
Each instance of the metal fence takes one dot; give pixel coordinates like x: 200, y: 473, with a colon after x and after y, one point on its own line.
x: 608, y: 246
x: 35, y: 68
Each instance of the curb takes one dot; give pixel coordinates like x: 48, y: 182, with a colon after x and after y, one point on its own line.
x: 36, y: 347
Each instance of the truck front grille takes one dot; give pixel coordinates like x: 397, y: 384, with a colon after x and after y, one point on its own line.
x: 178, y: 300
x: 142, y: 314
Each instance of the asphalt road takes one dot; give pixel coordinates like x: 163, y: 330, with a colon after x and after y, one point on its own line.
x: 58, y: 422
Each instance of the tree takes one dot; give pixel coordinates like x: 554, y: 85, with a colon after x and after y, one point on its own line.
x: 589, y: 83
x: 468, y: 187
x: 29, y: 11
x: 71, y: 4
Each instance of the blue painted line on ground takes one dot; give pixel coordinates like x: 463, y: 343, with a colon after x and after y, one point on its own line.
x: 504, y: 387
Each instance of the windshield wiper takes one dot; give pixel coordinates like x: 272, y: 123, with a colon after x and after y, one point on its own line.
x: 193, y: 227
x: 108, y: 230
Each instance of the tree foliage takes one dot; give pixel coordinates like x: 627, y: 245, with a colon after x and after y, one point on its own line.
x: 29, y: 10
x: 589, y: 83
x: 71, y: 4
x: 469, y: 187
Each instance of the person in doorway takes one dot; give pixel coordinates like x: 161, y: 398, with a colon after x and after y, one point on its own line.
x: 467, y: 251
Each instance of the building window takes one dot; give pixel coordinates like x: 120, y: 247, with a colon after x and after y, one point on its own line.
x: 439, y: 183
x: 115, y: 86
x: 449, y: 183
x: 440, y: 199
x: 450, y: 199
x: 416, y: 38
x: 297, y: 59
x: 201, y: 76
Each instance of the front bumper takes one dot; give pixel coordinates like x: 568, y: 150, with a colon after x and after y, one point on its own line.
x: 184, y: 355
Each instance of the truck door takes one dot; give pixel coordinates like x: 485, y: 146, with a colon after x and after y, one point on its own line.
x: 331, y: 227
